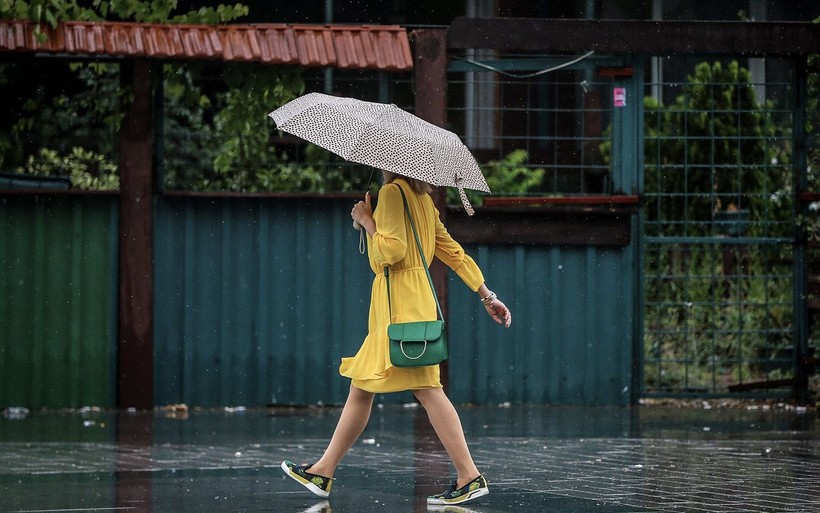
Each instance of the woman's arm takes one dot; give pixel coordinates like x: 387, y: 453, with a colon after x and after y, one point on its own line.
x: 452, y: 254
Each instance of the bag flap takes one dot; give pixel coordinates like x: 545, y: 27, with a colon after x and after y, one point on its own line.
x: 415, y: 331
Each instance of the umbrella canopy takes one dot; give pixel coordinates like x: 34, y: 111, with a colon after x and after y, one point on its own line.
x: 385, y: 137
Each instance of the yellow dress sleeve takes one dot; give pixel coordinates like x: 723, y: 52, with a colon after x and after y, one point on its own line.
x: 452, y: 254
x: 389, y: 243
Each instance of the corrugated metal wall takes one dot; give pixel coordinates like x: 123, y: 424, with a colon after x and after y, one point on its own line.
x: 58, y: 288
x: 257, y: 300
x: 571, y: 340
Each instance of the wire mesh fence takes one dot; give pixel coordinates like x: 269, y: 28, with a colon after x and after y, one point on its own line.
x: 548, y: 117
x: 718, y: 252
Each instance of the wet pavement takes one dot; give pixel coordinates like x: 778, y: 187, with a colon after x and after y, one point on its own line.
x: 539, y: 459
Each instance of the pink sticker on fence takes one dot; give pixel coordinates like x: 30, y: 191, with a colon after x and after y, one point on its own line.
x: 619, y: 96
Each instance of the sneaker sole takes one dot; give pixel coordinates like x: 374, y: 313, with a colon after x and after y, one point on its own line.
x: 481, y: 492
x: 304, y: 482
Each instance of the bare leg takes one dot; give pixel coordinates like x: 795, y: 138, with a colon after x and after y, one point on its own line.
x: 446, y: 423
x: 351, y: 424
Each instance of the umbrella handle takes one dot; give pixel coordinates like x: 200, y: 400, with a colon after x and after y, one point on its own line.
x: 464, y: 201
x: 362, y: 244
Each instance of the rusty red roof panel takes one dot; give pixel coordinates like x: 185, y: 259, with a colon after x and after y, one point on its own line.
x: 278, y: 46
x: 384, y: 47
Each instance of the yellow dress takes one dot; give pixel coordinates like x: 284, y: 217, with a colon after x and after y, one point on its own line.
x: 411, y: 298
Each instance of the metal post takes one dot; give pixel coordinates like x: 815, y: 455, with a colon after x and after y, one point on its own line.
x: 657, y: 61
x: 135, y: 343
x: 800, y: 162
x: 430, y: 62
x: 328, y: 87
x: 757, y: 66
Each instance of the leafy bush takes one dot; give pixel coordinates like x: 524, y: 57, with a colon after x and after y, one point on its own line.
x: 716, y: 314
x: 716, y: 148
x: 87, y: 170
x: 711, y: 323
x: 77, y: 112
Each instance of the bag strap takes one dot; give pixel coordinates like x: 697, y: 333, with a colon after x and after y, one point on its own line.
x: 423, y: 260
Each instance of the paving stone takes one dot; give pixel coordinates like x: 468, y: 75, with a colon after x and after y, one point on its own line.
x: 215, y: 461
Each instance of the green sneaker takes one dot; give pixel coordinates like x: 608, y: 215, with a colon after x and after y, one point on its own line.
x: 319, y: 485
x: 474, y: 489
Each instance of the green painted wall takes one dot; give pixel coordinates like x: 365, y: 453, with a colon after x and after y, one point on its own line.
x: 257, y: 300
x: 58, y: 293
x: 571, y: 339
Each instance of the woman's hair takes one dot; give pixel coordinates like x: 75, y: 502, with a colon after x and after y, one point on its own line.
x: 417, y: 185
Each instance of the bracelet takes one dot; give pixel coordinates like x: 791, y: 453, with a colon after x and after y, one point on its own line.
x: 489, y: 299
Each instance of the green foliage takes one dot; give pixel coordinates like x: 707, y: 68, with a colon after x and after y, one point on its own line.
x: 44, y: 12
x: 711, y: 322
x: 78, y: 107
x: 223, y: 140
x: 716, y: 147
x: 510, y: 175
x: 87, y: 170
x: 716, y: 315
x: 243, y: 129
x: 51, y: 12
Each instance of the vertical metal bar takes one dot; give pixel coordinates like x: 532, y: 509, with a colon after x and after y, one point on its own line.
x: 638, y: 329
x: 657, y: 62
x: 637, y: 187
x: 75, y: 338
x: 800, y: 270
x: 38, y: 324
x: 225, y: 244
x: 328, y: 72
x: 384, y: 87
x: 5, y: 292
x: 159, y: 126
x: 712, y: 186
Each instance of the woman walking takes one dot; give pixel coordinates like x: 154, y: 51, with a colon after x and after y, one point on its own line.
x: 391, y: 243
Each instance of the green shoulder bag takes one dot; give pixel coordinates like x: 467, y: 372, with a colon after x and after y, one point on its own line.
x: 416, y: 343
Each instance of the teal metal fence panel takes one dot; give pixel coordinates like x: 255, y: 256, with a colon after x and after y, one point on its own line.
x: 571, y: 339
x: 58, y: 288
x: 257, y: 300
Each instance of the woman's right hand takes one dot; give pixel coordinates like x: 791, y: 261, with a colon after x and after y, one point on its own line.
x: 499, y: 312
x: 495, y: 308
x: 362, y: 215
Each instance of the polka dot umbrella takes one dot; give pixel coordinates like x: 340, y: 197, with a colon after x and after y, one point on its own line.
x: 385, y: 137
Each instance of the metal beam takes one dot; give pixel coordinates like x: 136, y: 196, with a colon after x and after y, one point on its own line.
x: 612, y: 37
x: 570, y: 225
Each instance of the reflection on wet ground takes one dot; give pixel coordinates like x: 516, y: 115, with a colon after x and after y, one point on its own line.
x: 538, y: 458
